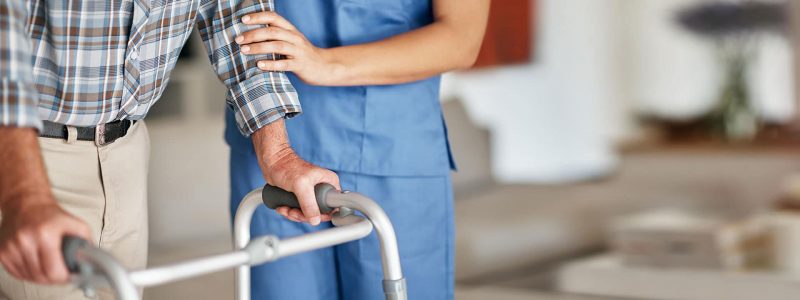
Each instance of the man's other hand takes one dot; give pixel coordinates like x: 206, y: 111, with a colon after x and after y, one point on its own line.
x: 33, y: 224
x: 30, y: 241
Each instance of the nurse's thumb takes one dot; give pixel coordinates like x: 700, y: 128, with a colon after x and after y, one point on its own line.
x: 308, y: 204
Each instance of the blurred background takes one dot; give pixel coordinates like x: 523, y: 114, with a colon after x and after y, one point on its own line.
x: 615, y: 149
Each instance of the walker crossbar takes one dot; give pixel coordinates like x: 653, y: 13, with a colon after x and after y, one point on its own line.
x: 328, y: 199
x: 93, y: 268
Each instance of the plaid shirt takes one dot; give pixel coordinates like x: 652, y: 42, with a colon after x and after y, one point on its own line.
x: 84, y: 63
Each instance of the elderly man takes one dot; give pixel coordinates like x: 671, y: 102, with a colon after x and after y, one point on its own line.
x: 78, y: 78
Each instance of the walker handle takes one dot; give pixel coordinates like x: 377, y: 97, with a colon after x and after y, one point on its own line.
x: 69, y: 248
x: 275, y: 197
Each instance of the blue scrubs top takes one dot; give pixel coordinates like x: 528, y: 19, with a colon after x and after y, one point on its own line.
x: 391, y: 130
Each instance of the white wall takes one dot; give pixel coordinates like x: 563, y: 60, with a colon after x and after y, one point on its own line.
x: 550, y: 120
x: 772, y: 80
x: 188, y: 180
x: 597, y: 65
x: 674, y: 71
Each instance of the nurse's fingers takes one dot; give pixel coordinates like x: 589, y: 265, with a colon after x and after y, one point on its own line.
x: 270, y: 34
x: 270, y: 47
x: 269, y: 18
x: 283, y: 65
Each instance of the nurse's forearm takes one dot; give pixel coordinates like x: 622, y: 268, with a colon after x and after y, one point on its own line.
x: 451, y: 42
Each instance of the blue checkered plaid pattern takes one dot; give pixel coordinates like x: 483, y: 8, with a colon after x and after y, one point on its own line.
x: 84, y: 63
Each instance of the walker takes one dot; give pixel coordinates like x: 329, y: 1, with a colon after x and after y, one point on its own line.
x: 92, y: 268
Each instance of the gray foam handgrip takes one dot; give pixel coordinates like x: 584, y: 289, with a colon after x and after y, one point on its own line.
x: 69, y: 248
x: 275, y: 197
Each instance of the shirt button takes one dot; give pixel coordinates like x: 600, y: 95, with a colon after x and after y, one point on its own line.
x: 134, y: 54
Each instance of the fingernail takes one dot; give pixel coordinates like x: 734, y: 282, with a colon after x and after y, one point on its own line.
x: 261, y: 64
x: 245, y: 19
x: 315, y: 221
x: 246, y: 49
x: 239, y: 39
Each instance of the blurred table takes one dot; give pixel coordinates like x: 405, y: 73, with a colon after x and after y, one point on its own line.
x: 499, y: 293
x: 606, y: 275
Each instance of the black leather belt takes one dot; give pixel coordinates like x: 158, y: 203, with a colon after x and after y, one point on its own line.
x: 101, y: 135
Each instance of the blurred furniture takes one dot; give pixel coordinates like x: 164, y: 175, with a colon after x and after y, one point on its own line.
x: 521, y: 228
x: 606, y: 275
x: 670, y: 238
x: 497, y: 293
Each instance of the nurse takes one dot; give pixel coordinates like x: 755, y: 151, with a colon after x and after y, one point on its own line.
x: 367, y: 72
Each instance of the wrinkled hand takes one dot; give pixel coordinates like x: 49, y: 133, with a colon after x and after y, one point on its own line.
x: 30, y: 241
x: 309, y: 63
x: 288, y: 171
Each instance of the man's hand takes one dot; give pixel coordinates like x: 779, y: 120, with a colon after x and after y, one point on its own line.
x: 33, y: 224
x: 293, y: 174
x: 284, y: 169
x: 30, y: 241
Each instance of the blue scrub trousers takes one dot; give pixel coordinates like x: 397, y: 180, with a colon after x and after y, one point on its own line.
x: 420, y: 208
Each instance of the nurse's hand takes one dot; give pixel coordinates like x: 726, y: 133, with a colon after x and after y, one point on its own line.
x: 311, y: 64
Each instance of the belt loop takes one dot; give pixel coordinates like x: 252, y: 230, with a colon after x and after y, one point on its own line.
x: 72, y: 134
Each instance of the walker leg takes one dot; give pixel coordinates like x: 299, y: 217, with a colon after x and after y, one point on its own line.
x: 241, y: 236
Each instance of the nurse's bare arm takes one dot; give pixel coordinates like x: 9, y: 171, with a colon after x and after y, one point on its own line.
x: 451, y: 42
x: 283, y: 168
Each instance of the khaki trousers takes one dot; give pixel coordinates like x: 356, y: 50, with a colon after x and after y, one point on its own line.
x: 107, y: 188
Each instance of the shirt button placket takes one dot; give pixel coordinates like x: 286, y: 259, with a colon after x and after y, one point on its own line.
x: 132, y: 63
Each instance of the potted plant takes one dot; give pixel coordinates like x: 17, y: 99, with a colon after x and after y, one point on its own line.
x: 734, y: 29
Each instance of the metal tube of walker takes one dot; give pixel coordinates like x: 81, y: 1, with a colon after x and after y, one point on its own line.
x: 394, y: 285
x: 84, y: 261
x: 100, y: 270
x: 241, y: 236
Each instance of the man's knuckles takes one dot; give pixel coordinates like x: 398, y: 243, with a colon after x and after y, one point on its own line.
x: 301, y: 182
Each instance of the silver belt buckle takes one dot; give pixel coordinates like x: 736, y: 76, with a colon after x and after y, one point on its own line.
x: 100, y: 135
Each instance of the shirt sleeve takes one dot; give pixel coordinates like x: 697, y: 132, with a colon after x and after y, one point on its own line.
x: 257, y: 97
x: 18, y: 97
